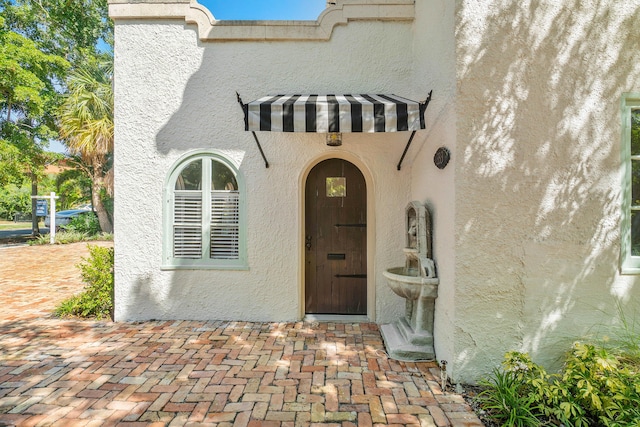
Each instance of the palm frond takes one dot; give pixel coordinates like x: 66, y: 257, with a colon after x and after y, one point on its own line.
x: 86, y: 116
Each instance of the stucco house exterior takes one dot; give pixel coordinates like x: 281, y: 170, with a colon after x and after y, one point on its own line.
x: 532, y: 217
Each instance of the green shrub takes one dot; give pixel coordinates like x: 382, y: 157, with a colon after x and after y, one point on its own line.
x: 86, y: 223
x: 596, y: 387
x: 96, y: 300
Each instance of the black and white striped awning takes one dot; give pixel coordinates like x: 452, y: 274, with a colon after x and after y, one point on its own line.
x: 334, y: 113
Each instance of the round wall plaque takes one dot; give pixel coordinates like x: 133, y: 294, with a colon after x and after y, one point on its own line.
x: 442, y: 157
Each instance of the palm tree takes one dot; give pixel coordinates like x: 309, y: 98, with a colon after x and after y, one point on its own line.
x: 86, y: 127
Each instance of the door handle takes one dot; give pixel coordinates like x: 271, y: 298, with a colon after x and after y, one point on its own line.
x: 308, y: 244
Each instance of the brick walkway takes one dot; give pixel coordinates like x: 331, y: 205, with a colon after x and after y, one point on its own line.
x: 85, y: 373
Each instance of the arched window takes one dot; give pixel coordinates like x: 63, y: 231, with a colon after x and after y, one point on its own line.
x: 204, y: 214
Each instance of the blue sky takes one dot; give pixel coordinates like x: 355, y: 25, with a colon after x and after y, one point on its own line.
x: 265, y: 9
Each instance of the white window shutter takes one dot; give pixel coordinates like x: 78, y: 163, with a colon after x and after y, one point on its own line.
x: 187, y: 225
x: 225, y: 225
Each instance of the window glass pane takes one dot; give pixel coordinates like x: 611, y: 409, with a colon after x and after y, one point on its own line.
x: 635, y: 132
x: 336, y: 187
x: 222, y: 178
x: 635, y: 233
x: 635, y: 183
x: 191, y: 177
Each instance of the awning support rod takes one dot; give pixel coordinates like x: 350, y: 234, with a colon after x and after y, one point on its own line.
x: 246, y: 121
x: 423, y: 108
x: 406, y: 148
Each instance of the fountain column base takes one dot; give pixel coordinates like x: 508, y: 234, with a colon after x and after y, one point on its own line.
x: 404, y: 344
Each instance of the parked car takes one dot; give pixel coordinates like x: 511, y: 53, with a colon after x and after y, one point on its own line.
x: 63, y: 218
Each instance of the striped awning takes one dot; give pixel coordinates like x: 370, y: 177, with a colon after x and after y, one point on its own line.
x: 334, y: 113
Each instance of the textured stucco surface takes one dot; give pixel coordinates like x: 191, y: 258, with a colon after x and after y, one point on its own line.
x: 430, y: 185
x: 175, y: 94
x: 526, y: 216
x: 537, y: 166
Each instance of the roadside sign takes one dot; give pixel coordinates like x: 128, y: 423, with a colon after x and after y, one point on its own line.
x: 41, y: 207
x: 42, y: 211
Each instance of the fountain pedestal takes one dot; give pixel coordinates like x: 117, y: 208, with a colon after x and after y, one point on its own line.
x: 402, y: 343
x: 410, y: 338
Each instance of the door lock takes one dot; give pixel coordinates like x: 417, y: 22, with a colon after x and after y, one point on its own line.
x: 308, y: 244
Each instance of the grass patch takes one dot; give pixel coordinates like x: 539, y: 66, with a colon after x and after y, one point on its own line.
x: 10, y: 225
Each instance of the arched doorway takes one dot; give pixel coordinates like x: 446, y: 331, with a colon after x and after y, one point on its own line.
x: 335, y: 239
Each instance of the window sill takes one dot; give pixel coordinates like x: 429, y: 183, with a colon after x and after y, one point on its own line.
x: 630, y: 265
x: 169, y: 267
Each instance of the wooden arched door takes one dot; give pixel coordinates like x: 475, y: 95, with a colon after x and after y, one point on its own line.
x: 335, y: 239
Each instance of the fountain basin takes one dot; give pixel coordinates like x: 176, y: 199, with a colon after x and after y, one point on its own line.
x: 410, y: 284
x: 410, y: 338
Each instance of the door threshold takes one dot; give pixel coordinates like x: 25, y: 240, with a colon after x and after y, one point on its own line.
x: 337, y: 318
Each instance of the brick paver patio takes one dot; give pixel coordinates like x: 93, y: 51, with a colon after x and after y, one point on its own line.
x: 56, y: 372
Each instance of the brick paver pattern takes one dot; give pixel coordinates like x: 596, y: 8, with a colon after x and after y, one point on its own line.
x: 57, y: 372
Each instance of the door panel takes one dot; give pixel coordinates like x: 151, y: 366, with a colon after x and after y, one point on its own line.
x: 336, y: 239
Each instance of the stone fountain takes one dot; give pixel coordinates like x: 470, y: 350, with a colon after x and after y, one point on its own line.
x: 410, y: 338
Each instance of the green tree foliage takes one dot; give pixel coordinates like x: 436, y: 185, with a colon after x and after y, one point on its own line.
x: 40, y: 42
x: 11, y: 169
x: 74, y: 188
x: 14, y: 199
x: 86, y: 126
x: 28, y: 96
x: 69, y: 29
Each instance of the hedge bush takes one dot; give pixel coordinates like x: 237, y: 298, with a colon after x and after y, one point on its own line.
x: 96, y: 300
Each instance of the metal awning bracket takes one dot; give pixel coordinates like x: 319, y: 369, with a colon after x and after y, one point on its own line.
x: 245, y: 110
x: 423, y: 108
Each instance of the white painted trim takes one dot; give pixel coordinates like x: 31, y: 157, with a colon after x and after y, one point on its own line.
x: 629, y: 264
x: 371, y: 227
x: 210, y: 29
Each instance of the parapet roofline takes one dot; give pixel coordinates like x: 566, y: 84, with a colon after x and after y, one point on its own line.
x: 211, y: 29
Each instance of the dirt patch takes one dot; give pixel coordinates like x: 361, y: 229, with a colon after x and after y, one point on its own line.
x: 470, y: 394
x: 15, y: 240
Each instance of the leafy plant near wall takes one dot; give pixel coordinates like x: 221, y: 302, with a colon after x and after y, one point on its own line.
x: 87, y: 224
x: 97, y: 298
x: 598, y: 386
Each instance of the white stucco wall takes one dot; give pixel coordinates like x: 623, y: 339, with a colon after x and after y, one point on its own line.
x: 175, y: 94
x: 430, y: 185
x: 537, y: 175
x: 526, y: 215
